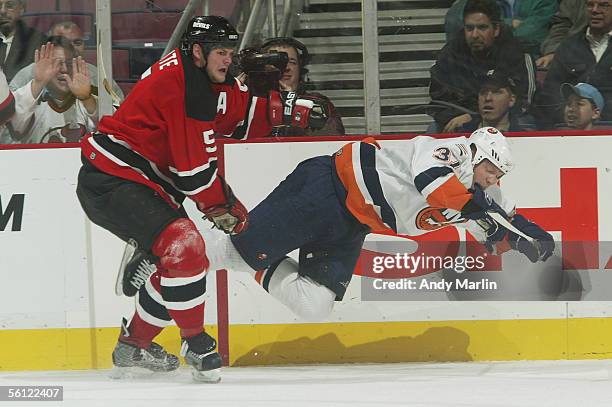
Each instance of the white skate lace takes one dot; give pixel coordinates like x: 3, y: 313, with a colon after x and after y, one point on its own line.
x: 143, y: 271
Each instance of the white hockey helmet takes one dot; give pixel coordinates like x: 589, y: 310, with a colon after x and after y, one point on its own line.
x: 491, y: 144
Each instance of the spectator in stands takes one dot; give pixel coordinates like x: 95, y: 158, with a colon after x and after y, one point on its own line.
x: 583, y: 57
x: 73, y: 33
x: 528, y: 20
x: 19, y: 42
x: 294, y: 80
x: 7, y: 107
x: 569, y: 20
x: 57, y: 105
x: 7, y: 101
x: 583, y: 105
x: 496, y: 99
x: 464, y: 62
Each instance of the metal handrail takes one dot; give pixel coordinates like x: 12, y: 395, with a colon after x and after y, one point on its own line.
x: 371, y: 88
x: 286, y: 26
x: 285, y: 22
x: 187, y: 14
x: 272, y: 18
x: 251, y: 24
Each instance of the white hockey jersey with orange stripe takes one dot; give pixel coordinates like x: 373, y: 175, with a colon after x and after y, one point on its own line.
x: 411, y: 187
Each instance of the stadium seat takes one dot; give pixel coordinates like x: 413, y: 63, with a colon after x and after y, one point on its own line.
x: 141, y: 58
x: 121, y: 61
x: 78, y: 5
x: 43, y: 21
x: 123, y: 5
x: 126, y: 86
x: 41, y: 6
x: 168, y: 4
x: 143, y: 26
x: 217, y: 7
x: 91, y: 56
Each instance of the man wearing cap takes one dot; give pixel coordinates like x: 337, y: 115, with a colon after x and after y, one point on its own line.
x: 583, y: 105
x: 458, y: 72
x: 584, y: 57
x: 496, y: 99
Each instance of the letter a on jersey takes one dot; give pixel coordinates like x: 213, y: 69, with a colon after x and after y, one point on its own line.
x: 222, y: 102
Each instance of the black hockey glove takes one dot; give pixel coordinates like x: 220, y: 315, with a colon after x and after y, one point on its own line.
x: 476, y: 209
x: 542, y: 246
x: 481, y: 203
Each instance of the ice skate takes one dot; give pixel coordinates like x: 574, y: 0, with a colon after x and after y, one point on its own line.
x: 130, y: 360
x: 199, y: 352
x: 136, y: 267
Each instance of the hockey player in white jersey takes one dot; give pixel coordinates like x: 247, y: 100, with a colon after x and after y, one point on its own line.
x: 328, y: 204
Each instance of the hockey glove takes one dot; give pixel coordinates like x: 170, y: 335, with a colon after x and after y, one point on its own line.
x: 481, y: 203
x: 231, y: 217
x: 287, y: 109
x: 476, y: 209
x: 320, y: 111
x: 542, y: 246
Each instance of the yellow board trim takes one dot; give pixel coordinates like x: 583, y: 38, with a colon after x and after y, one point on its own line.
x: 549, y: 339
x: 71, y: 348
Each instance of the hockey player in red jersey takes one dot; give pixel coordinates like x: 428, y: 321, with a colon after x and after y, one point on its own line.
x: 328, y: 204
x: 156, y: 150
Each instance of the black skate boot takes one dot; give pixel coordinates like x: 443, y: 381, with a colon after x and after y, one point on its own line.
x: 129, y: 359
x: 136, y: 267
x: 199, y: 352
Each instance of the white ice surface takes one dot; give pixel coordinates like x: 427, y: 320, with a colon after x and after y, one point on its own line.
x: 516, y: 384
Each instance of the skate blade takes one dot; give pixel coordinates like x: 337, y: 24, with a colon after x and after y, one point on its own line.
x: 134, y: 372
x: 128, y: 252
x: 121, y: 373
x: 206, y: 376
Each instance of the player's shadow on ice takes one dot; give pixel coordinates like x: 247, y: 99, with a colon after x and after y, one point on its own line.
x: 442, y: 343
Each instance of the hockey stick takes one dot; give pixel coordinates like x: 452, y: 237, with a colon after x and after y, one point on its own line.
x: 504, y: 222
x: 105, y: 82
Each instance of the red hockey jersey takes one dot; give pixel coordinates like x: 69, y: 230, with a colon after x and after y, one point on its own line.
x: 163, y: 135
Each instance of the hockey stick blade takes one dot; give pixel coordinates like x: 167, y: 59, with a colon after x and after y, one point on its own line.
x: 105, y: 82
x: 107, y: 86
x: 504, y: 222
